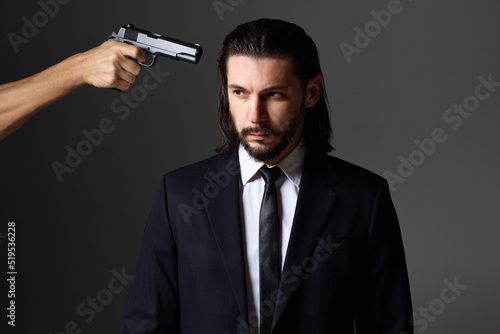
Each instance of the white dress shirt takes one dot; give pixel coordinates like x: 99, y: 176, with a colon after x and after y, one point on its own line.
x: 251, y: 193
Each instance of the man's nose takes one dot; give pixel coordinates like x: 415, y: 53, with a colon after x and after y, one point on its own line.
x: 258, y: 111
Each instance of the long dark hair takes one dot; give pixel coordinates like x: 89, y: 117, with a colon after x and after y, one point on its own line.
x: 275, y: 39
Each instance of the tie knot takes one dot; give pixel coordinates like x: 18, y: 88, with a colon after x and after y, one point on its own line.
x: 270, y: 174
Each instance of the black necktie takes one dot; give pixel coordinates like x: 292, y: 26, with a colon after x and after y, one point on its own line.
x: 269, y: 247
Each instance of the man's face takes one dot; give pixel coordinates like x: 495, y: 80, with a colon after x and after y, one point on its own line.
x: 267, y: 104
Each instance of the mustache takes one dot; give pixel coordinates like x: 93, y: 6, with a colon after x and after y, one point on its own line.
x: 258, y: 130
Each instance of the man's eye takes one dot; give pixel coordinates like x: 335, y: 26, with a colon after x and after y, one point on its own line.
x: 275, y: 94
x: 237, y: 92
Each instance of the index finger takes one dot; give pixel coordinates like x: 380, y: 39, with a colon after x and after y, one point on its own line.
x: 132, y: 51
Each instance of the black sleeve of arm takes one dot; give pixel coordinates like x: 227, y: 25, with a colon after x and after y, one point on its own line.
x: 384, y: 304
x: 153, y: 302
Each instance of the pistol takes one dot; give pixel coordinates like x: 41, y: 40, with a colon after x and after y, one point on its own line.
x: 158, y: 45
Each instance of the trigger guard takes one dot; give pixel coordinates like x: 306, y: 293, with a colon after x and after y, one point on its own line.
x: 150, y: 64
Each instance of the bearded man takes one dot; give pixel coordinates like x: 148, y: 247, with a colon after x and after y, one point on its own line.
x: 272, y: 235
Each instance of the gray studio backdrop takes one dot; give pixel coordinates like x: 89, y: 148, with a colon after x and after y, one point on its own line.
x: 414, y: 88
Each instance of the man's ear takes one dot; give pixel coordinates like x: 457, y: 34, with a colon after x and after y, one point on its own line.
x: 313, y: 90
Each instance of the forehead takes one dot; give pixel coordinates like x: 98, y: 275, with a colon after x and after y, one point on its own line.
x: 260, y: 71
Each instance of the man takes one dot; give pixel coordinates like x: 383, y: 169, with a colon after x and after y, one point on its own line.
x: 109, y: 65
x: 211, y: 259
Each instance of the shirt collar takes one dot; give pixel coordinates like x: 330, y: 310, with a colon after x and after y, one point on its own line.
x: 291, y: 165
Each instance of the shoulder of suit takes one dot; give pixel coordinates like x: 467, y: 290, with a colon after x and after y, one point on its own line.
x: 347, y: 171
x: 197, y: 170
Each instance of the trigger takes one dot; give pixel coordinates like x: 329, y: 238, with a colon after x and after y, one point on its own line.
x: 150, y: 64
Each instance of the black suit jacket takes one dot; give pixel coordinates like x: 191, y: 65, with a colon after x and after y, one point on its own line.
x: 345, y: 264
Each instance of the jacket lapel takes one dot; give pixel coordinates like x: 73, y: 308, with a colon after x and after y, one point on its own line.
x: 314, y: 204
x: 224, y: 215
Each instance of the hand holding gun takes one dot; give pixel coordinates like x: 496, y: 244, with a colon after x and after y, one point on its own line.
x: 109, y: 65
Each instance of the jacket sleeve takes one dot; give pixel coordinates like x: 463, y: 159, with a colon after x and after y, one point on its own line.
x: 153, y: 305
x: 384, y: 303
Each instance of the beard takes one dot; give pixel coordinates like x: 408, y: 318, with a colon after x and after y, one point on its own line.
x: 285, y: 135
